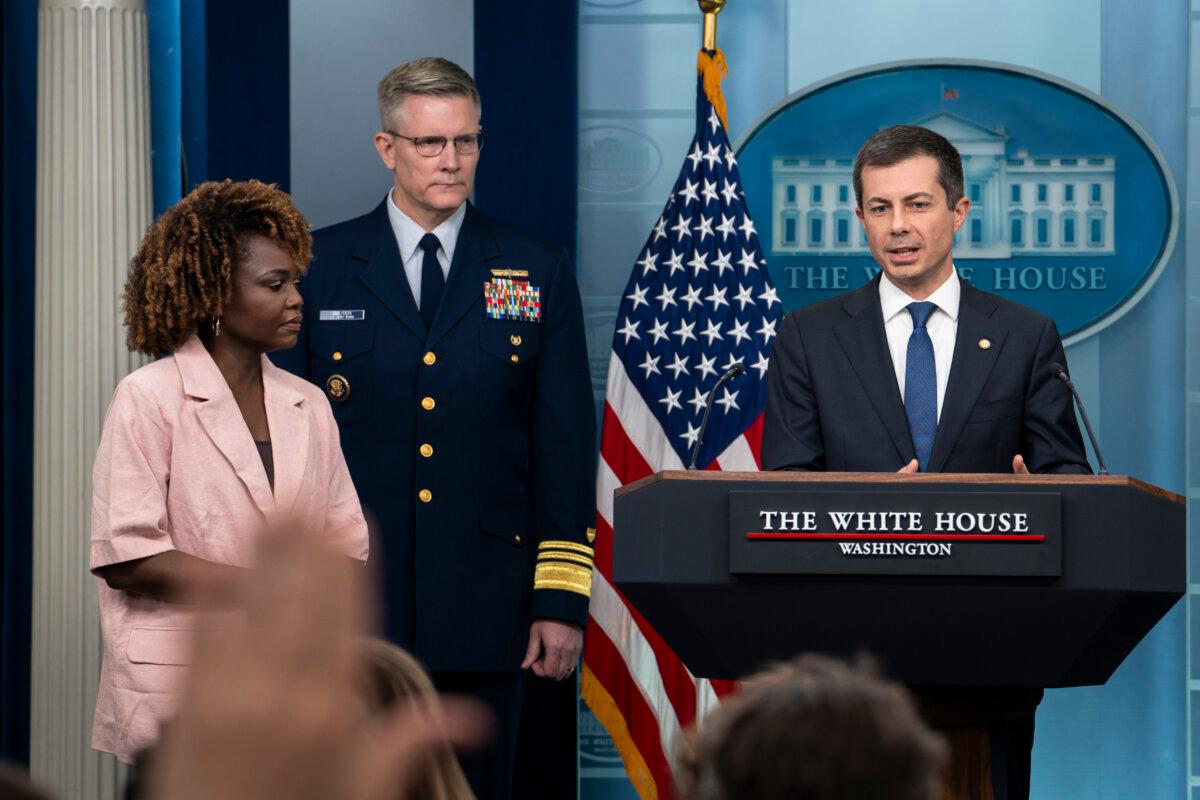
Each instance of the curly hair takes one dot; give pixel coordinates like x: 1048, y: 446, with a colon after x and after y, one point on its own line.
x: 184, y: 268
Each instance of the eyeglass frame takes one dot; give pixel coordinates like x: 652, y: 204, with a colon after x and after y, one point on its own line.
x: 417, y: 141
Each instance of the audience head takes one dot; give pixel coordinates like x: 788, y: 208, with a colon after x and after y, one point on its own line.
x: 393, y: 679
x: 225, y: 260
x: 813, y: 729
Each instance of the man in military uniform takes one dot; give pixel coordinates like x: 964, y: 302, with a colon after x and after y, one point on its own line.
x: 452, y: 350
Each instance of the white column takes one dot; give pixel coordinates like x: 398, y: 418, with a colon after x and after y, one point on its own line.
x: 93, y: 205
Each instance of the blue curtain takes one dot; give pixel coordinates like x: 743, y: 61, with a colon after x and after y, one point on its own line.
x: 17, y: 175
x: 526, y: 66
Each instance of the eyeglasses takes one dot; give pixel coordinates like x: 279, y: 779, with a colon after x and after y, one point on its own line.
x: 430, y: 146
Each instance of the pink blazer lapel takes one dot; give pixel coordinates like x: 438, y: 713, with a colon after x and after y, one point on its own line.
x: 287, y: 418
x: 222, y: 420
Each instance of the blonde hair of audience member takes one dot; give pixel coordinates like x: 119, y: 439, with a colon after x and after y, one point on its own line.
x: 393, y: 678
x: 813, y: 728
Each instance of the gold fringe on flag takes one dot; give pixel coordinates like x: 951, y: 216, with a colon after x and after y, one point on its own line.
x: 606, y: 712
x: 712, y: 67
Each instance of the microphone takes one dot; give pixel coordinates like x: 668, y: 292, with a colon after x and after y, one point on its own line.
x: 1060, y: 372
x: 730, y: 374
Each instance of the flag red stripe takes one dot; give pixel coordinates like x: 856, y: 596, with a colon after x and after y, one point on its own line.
x: 621, y: 454
x: 753, y: 436
x: 677, y: 681
x: 723, y: 688
x: 605, y: 662
x: 628, y: 465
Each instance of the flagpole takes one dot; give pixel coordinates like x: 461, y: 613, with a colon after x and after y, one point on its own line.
x: 710, y: 8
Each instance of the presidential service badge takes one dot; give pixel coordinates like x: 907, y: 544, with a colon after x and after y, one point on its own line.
x: 506, y: 298
x: 337, y: 387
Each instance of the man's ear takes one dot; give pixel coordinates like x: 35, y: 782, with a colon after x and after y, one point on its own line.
x: 385, y: 145
x: 960, y: 211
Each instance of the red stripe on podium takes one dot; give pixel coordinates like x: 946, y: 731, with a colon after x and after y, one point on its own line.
x: 912, y: 537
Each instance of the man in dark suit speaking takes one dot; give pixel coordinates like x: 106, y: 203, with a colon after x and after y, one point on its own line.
x: 452, y: 350
x: 918, y: 370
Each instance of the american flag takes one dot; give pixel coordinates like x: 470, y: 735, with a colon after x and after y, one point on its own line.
x: 699, y: 301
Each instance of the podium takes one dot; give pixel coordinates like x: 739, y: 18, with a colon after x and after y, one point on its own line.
x: 928, y: 619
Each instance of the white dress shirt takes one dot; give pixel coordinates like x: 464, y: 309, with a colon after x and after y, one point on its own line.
x: 408, y: 239
x: 942, y: 327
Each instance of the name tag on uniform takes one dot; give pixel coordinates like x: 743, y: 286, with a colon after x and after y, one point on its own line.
x: 332, y: 315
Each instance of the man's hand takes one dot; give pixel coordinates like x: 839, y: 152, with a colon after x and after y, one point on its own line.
x: 272, y: 707
x: 553, y: 648
x: 909, y: 468
x: 1019, y: 467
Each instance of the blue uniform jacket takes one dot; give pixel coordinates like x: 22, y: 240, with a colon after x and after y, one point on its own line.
x: 471, y: 444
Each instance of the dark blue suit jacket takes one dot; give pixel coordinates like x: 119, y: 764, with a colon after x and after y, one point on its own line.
x: 833, y: 403
x: 505, y: 409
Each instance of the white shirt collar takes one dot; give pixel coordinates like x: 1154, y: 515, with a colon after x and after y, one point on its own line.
x: 408, y: 233
x: 947, y: 296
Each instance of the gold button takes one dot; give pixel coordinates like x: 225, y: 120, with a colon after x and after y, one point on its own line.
x: 425, y: 495
x: 429, y: 358
x: 426, y: 450
x: 517, y: 538
x: 984, y: 344
x: 514, y: 358
x: 516, y: 340
x: 337, y: 355
x: 427, y: 403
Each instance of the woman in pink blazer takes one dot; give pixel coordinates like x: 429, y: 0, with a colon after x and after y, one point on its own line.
x: 200, y: 448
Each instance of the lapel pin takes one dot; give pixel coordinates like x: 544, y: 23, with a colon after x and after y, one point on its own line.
x: 984, y: 344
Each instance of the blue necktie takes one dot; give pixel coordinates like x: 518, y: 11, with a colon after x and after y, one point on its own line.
x: 432, y: 279
x: 920, y: 384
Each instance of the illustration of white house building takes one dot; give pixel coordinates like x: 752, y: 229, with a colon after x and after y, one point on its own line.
x: 1021, y: 204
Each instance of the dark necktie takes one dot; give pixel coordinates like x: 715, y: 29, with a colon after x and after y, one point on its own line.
x: 920, y: 384
x: 432, y: 279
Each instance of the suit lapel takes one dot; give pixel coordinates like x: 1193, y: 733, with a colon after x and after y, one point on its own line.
x: 222, y: 420
x: 464, y: 285
x: 383, y: 272
x: 288, y: 422
x: 864, y: 342
x: 969, y: 371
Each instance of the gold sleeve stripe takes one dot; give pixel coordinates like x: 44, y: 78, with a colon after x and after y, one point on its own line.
x: 561, y: 545
x: 563, y: 576
x: 551, y: 555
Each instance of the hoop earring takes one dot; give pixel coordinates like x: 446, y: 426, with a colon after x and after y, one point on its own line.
x: 216, y: 326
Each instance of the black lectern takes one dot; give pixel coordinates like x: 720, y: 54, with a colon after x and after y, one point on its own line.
x: 948, y: 580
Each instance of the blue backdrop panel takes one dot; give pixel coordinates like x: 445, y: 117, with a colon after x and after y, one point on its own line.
x: 526, y: 57
x: 246, y: 115
x: 18, y: 136
x: 164, y: 34
x: 218, y: 94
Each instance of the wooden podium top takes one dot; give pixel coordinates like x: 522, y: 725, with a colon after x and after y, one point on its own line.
x: 991, y: 478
